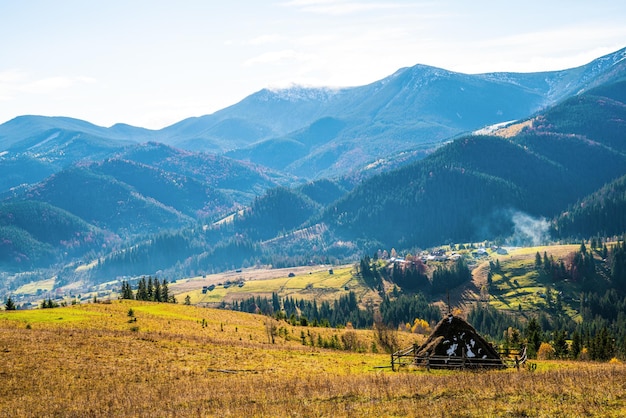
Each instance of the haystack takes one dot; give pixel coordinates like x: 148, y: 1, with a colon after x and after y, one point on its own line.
x: 455, y: 341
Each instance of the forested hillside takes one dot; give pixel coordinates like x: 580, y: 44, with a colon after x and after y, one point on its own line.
x: 602, y: 213
x: 106, y: 202
x: 468, y: 189
x: 33, y: 232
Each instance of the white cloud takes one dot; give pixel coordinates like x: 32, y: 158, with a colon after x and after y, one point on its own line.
x: 265, y: 39
x: 15, y: 81
x: 279, y: 56
x: 340, y: 7
x: 11, y: 76
x: 46, y: 85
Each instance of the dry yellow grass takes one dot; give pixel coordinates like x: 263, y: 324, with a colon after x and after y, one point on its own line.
x: 90, y: 363
x: 514, y: 129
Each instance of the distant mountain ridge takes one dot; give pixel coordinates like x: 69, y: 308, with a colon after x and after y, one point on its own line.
x: 417, y: 107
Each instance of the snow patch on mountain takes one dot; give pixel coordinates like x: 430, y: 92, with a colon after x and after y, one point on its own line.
x: 48, y: 139
x: 487, y: 130
x: 299, y: 93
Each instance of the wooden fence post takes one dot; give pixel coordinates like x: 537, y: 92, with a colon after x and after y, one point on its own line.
x: 463, y: 358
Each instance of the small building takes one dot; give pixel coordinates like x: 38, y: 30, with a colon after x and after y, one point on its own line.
x: 454, y: 343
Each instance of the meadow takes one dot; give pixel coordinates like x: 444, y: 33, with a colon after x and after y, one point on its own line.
x: 165, y: 360
x: 306, y: 283
x: 518, y: 286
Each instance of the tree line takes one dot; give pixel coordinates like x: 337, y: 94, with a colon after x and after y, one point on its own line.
x: 411, y: 274
x: 151, y: 290
x: 394, y: 312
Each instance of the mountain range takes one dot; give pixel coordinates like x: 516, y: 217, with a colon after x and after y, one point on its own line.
x: 313, y: 174
x: 321, y: 132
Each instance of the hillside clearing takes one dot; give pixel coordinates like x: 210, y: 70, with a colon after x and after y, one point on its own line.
x: 308, y: 282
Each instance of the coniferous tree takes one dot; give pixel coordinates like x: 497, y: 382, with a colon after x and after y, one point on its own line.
x: 537, y: 261
x: 560, y: 344
x: 576, y: 347
x: 142, y: 292
x: 165, y: 292
x: 150, y: 289
x: 158, y: 296
x: 275, y: 302
x: 127, y: 291
x: 533, y: 335
x: 10, y: 305
x: 601, y: 346
x: 547, y: 266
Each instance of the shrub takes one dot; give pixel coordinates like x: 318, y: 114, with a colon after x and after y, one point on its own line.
x: 350, y: 341
x: 545, y: 352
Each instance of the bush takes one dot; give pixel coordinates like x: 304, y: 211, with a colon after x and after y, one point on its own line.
x: 350, y: 341
x: 545, y: 352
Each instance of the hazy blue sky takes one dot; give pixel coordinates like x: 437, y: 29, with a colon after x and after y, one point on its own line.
x: 153, y: 63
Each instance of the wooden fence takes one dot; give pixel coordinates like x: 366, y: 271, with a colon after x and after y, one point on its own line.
x: 408, y: 357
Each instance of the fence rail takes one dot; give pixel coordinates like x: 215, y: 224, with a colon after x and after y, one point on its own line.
x: 408, y: 357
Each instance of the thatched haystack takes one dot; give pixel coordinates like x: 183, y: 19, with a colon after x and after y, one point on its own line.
x: 455, y: 342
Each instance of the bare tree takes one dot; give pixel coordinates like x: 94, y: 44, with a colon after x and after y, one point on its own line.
x: 384, y: 335
x: 271, y: 327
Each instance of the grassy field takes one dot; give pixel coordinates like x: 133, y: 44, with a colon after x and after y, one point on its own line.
x: 305, y: 283
x: 518, y: 286
x: 32, y: 287
x: 89, y: 360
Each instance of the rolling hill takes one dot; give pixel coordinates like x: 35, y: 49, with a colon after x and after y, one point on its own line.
x: 36, y: 234
x: 602, y: 213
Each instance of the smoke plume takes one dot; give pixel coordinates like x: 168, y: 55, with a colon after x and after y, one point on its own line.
x: 529, y: 231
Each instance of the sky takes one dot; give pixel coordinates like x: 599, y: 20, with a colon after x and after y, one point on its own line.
x: 154, y: 63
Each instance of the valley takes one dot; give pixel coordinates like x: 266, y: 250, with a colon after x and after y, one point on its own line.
x: 313, y: 208
x: 296, y: 239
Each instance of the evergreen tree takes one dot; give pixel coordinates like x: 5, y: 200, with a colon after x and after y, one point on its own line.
x: 601, y: 346
x: 537, y: 261
x: 560, y: 344
x: 127, y: 291
x: 10, y: 305
x: 576, y: 345
x: 142, y: 292
x: 275, y: 302
x: 547, y: 266
x: 158, y: 296
x: 533, y: 336
x: 165, y: 292
x: 149, y: 289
